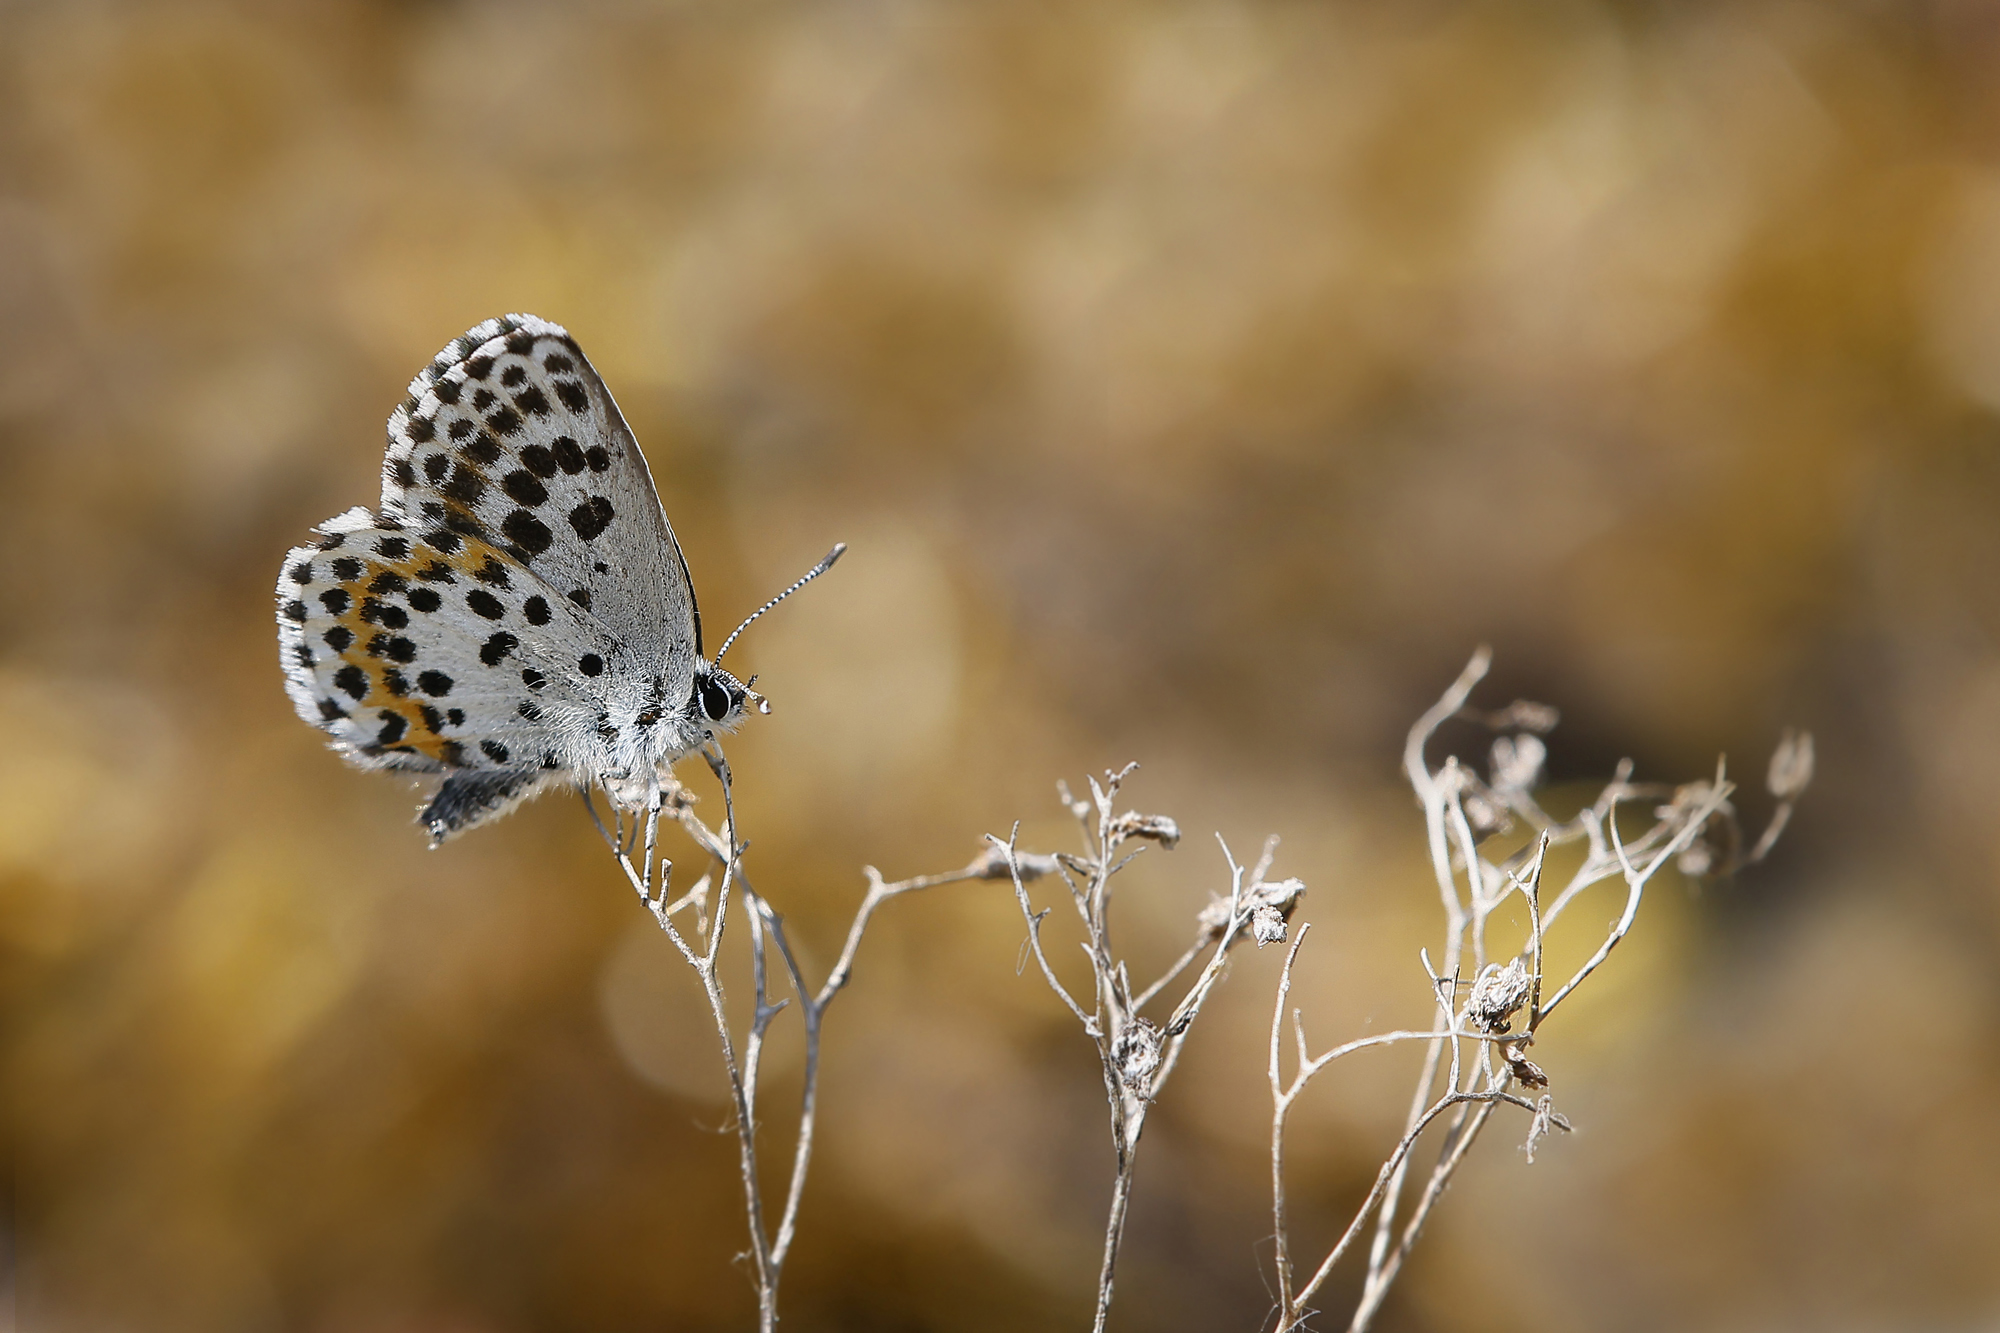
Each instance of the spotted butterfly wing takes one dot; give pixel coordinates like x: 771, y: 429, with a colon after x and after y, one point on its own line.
x: 510, y: 435
x: 460, y: 630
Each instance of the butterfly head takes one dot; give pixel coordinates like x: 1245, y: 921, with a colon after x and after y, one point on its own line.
x: 720, y: 702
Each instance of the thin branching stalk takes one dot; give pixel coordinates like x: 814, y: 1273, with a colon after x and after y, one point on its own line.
x: 1136, y: 1055
x: 1460, y: 810
x: 1474, y: 1055
x: 742, y: 1058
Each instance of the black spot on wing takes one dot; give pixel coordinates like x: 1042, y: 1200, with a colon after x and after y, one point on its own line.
x: 485, y: 603
x: 495, y: 649
x: 378, y: 612
x: 461, y: 520
x: 539, y: 460
x: 523, y: 487
x: 567, y: 454
x: 466, y: 485
x: 573, y: 395
x: 592, y: 517
x: 434, y: 683
x: 527, y: 532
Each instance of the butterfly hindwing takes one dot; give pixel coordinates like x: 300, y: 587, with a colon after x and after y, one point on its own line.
x: 439, y: 653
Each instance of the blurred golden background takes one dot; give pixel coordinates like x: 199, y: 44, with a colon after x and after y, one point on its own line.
x: 1195, y: 384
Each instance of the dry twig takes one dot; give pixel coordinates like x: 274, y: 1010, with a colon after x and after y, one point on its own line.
x: 699, y: 942
x: 1474, y: 1055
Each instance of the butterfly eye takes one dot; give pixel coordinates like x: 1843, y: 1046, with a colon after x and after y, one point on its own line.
x: 715, y: 700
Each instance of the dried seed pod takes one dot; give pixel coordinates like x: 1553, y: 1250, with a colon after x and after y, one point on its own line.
x: 1153, y: 828
x: 1791, y: 766
x: 1267, y: 926
x: 1283, y: 894
x: 1496, y: 995
x: 992, y: 864
x: 1527, y: 1071
x: 1137, y: 1055
x: 1528, y: 715
x: 1517, y: 761
x: 1484, y: 816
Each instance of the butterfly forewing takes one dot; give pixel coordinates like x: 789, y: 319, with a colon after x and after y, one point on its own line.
x: 510, y: 436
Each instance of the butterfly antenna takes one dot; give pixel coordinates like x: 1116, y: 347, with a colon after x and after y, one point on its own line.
x: 839, y: 549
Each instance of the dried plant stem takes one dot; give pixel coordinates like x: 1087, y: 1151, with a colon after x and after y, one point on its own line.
x: 1458, y: 809
x: 701, y: 950
x: 1136, y: 1056
x: 1474, y: 1055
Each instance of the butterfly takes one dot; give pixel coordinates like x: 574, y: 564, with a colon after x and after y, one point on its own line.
x: 517, y: 614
